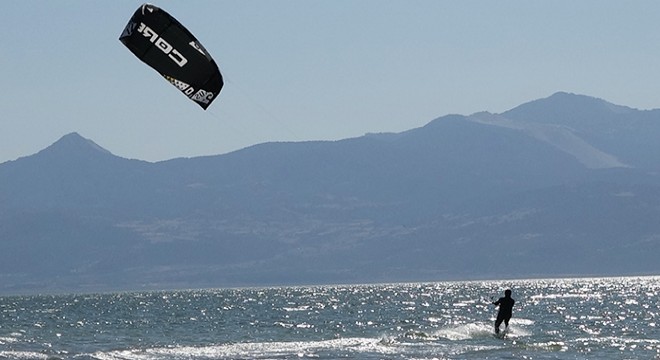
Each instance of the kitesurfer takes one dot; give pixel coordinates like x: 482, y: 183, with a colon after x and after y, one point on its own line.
x: 506, y: 310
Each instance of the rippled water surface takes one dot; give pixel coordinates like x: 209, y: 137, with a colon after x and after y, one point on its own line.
x: 612, y: 318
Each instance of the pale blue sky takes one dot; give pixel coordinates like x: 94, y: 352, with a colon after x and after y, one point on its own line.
x: 309, y: 70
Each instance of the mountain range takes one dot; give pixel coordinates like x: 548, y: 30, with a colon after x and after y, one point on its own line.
x: 567, y: 185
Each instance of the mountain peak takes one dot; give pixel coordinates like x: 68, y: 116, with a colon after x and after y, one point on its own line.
x: 572, y: 102
x: 74, y: 144
x: 567, y: 96
x: 570, y: 110
x: 75, y: 141
x: 576, y: 100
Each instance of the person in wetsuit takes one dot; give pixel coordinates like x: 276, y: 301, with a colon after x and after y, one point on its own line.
x: 506, y: 310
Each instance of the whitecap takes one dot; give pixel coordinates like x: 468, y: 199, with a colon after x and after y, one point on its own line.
x: 304, y: 349
x: 465, y: 331
x: 22, y: 355
x: 479, y: 331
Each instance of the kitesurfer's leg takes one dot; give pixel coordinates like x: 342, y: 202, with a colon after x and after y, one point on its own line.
x: 498, y: 322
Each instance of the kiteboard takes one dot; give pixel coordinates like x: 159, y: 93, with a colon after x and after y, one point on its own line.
x: 501, y: 334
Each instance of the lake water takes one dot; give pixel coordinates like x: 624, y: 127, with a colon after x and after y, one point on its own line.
x: 608, y: 318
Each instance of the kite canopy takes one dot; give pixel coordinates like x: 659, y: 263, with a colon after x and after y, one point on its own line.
x: 161, y: 42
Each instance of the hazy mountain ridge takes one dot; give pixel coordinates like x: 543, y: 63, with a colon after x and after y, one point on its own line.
x: 539, y: 190
x: 628, y: 134
x: 559, y: 136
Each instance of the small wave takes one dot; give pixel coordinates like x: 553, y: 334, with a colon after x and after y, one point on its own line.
x: 521, y: 321
x: 465, y: 331
x: 478, y: 331
x: 298, y: 308
x: 418, y: 335
x: 7, y: 340
x: 567, y: 296
x: 550, y: 346
x: 23, y: 355
x: 258, y: 350
x: 516, y: 331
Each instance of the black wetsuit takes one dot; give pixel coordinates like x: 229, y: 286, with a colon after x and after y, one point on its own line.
x: 506, y: 310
